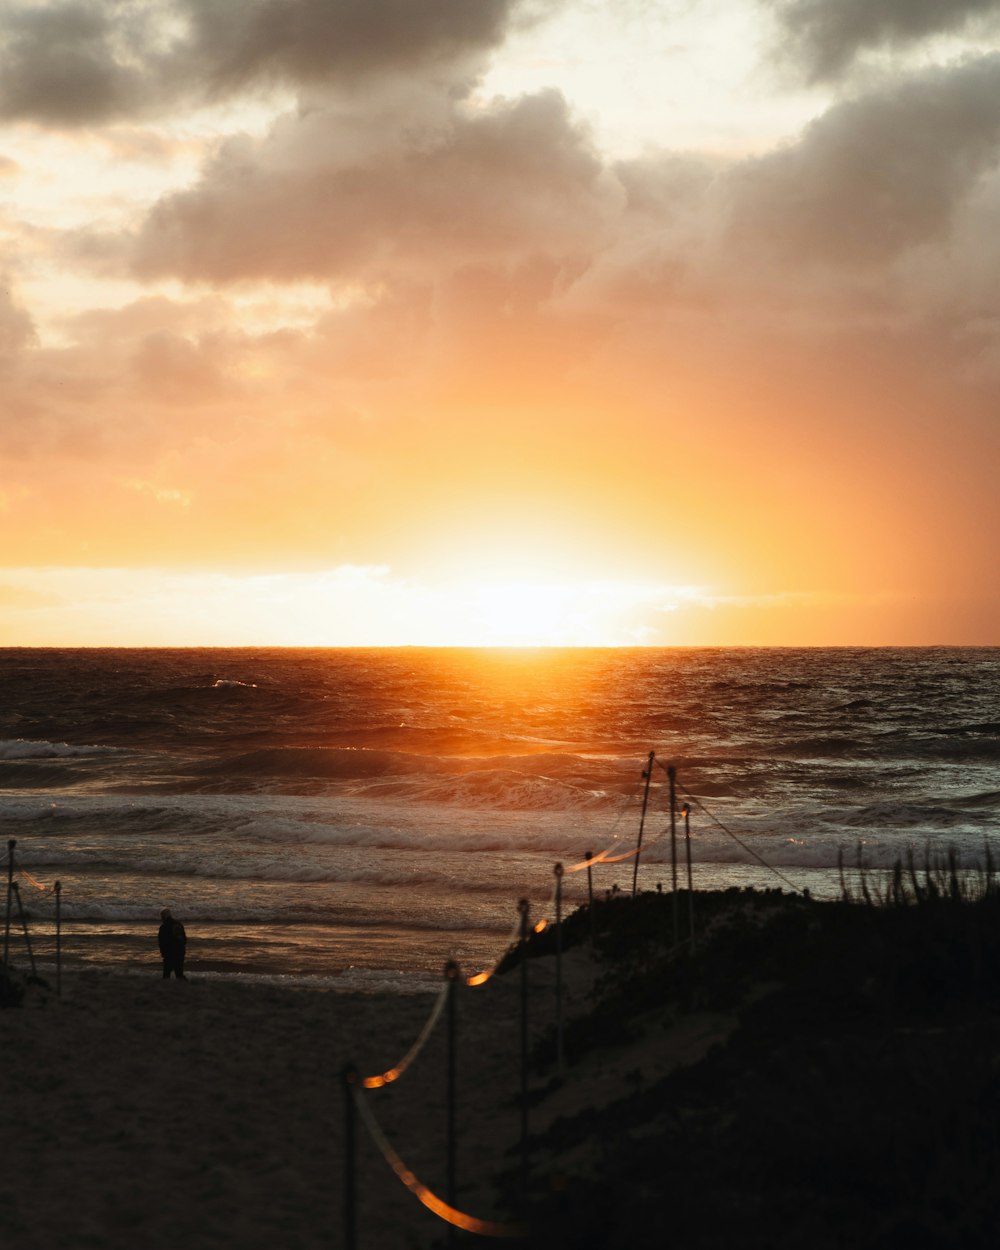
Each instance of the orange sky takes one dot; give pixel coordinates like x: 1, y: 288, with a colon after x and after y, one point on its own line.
x: 330, y: 322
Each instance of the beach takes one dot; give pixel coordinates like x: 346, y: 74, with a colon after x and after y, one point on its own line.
x: 814, y: 1073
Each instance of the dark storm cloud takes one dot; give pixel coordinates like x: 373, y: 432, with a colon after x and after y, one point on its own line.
x: 68, y: 62
x: 874, y: 175
x: 85, y: 62
x: 314, y: 40
x: 500, y: 182
x: 826, y: 35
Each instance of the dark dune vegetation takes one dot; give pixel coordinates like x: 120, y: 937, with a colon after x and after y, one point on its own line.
x: 854, y: 1102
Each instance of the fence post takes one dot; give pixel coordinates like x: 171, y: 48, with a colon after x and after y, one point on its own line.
x: 686, y: 813
x: 672, y: 774
x: 10, y: 891
x: 590, y: 897
x: 648, y: 774
x: 58, y: 888
x: 522, y: 907
x: 451, y: 971
x: 349, y: 1080
x: 24, y: 926
x: 559, y: 1003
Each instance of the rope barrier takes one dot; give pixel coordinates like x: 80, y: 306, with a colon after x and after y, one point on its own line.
x: 739, y: 841
x: 394, y: 1073
x: 355, y: 1085
x: 45, y: 889
x: 480, y: 978
x: 459, y: 1219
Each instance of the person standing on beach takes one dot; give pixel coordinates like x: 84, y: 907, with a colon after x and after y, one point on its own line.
x: 173, y: 944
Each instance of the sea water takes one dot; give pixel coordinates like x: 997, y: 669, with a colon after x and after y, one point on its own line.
x: 363, y: 816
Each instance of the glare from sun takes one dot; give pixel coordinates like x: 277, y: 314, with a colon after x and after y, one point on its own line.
x: 536, y: 613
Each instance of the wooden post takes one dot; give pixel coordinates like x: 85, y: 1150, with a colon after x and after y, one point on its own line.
x: 559, y: 1010
x: 451, y: 973
x: 349, y: 1080
x: 648, y: 774
x: 686, y: 812
x: 24, y: 926
x: 58, y: 888
x: 672, y: 774
x: 590, y: 897
x: 10, y: 893
x: 522, y: 907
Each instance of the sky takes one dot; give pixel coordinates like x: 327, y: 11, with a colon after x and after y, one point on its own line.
x: 499, y: 322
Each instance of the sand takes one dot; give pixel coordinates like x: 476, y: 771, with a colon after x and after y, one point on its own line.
x: 144, y: 1113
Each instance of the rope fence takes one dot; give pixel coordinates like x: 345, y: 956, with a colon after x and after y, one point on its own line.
x: 444, y: 1210
x: 358, y: 1089
x: 395, y: 1072
x: 354, y: 1085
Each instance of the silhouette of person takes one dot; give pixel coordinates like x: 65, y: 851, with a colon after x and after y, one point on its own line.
x: 173, y: 944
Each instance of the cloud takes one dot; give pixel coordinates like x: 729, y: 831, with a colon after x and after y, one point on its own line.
x: 71, y: 62
x: 454, y: 187
x: 85, y: 62
x: 875, y: 174
x: 827, y: 35
x: 734, y: 371
x: 168, y: 495
x: 303, y: 41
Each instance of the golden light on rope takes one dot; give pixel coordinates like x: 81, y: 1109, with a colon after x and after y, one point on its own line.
x: 386, y: 1078
x: 471, y: 1223
x: 394, y: 1073
x: 480, y: 978
x: 617, y: 859
x: 31, y: 880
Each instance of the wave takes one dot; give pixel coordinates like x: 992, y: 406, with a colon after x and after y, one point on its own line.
x: 27, y: 749
x: 337, y: 763
x: 36, y: 776
x: 508, y: 791
x: 542, y: 781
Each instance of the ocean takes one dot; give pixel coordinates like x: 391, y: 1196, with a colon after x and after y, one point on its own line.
x: 360, y: 817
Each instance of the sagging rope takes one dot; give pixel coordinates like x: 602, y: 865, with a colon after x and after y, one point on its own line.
x: 604, y: 857
x: 45, y: 889
x: 394, y: 1073
x: 480, y: 978
x: 460, y: 1219
x: 738, y: 840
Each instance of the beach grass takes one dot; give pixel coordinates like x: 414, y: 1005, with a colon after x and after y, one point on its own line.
x: 848, y: 1093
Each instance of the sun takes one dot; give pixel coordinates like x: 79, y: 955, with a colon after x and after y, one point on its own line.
x: 528, y: 614
x: 546, y: 612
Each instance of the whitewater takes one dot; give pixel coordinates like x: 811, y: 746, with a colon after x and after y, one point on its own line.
x: 363, y: 816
